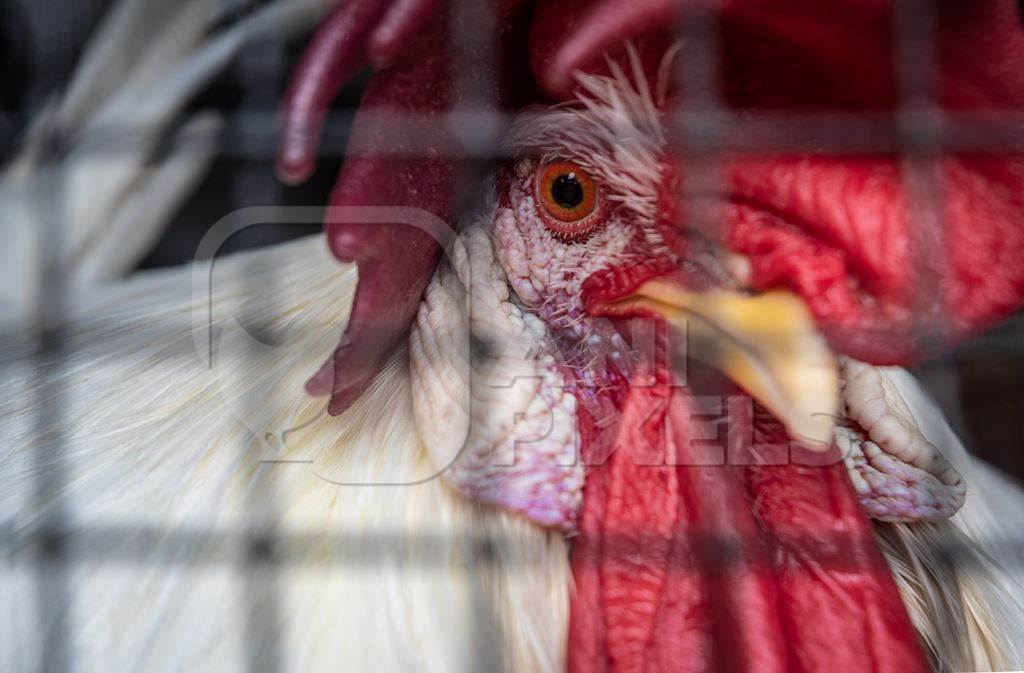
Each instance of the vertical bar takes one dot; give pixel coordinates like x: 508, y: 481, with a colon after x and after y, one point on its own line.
x: 261, y: 67
x: 488, y: 639
x: 477, y: 123
x: 921, y: 123
x: 698, y: 135
x: 921, y: 134
x: 50, y: 483
x: 473, y: 27
x: 921, y: 128
x: 941, y: 379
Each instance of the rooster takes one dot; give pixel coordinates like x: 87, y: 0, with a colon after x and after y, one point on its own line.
x: 593, y: 436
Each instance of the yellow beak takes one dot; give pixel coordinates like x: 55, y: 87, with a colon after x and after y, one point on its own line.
x: 767, y: 344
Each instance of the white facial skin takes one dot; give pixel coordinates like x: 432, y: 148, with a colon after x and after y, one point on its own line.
x: 502, y: 422
x: 497, y: 417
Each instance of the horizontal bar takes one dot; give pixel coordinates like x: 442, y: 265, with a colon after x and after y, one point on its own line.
x: 202, y: 547
x: 1006, y: 338
x: 253, y: 135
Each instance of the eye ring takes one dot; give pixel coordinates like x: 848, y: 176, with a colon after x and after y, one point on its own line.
x: 570, y: 200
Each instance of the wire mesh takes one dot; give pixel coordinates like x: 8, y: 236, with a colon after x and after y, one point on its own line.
x: 703, y: 127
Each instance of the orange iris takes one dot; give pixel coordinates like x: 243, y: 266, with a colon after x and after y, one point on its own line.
x: 569, y: 197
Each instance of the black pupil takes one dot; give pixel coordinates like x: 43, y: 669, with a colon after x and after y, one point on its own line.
x: 567, y: 191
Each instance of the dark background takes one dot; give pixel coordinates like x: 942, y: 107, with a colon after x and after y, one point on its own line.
x: 980, y: 385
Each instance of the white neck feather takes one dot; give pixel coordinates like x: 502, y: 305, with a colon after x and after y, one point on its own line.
x: 372, y: 577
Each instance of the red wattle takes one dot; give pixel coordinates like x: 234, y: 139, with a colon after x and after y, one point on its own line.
x: 693, y: 563
x: 839, y: 605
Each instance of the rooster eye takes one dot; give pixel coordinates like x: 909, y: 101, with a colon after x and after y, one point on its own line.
x: 569, y: 198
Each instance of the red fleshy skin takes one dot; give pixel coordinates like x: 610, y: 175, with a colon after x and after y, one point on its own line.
x: 400, y: 24
x: 837, y: 598
x: 801, y: 55
x: 882, y: 287
x: 395, y: 260
x: 566, y: 36
x: 388, y: 166
x: 688, y: 562
x: 332, y: 57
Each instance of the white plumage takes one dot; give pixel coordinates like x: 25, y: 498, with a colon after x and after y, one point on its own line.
x: 373, y: 577
x: 160, y: 438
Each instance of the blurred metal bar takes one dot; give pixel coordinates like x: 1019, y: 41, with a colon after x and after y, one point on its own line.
x: 476, y: 122
x: 731, y: 132
x: 251, y: 132
x: 261, y: 66
x: 700, y: 124
x: 916, y: 57
x: 941, y: 379
x: 925, y: 130
x: 1004, y: 339
x: 159, y: 547
x: 477, y: 127
x: 53, y: 594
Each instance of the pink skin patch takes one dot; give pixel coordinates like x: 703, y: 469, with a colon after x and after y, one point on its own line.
x: 537, y: 474
x: 548, y: 273
x: 891, y: 490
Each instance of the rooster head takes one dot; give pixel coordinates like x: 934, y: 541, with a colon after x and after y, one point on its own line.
x: 640, y: 346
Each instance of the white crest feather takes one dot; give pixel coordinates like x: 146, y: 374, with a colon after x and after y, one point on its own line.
x: 614, y: 130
